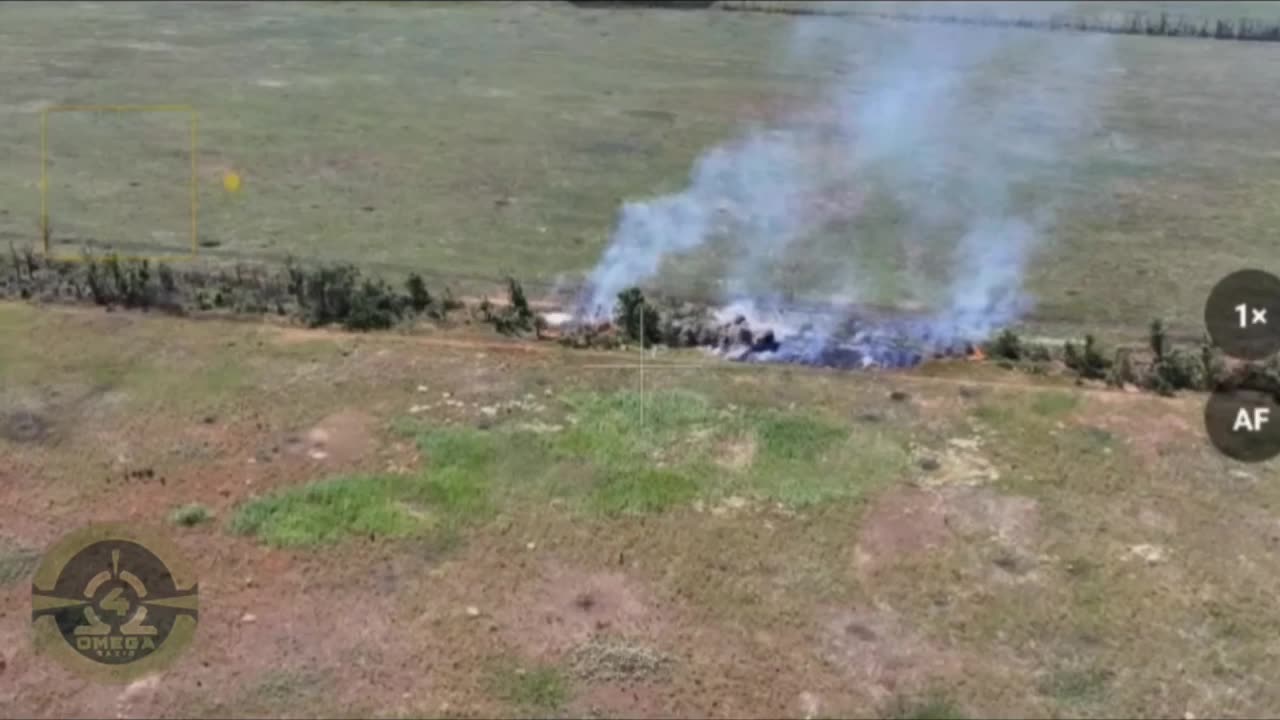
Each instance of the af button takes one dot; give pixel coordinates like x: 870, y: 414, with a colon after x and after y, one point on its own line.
x: 1244, y: 424
x: 1243, y: 314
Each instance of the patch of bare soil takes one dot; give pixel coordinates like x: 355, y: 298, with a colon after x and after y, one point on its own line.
x: 908, y: 522
x: 881, y: 654
x: 737, y: 454
x: 902, y: 523
x: 562, y: 608
x: 1008, y: 520
x: 635, y: 701
x: 1130, y: 417
x: 343, y: 438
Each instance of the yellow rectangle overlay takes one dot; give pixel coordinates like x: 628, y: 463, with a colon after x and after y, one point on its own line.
x: 44, y: 169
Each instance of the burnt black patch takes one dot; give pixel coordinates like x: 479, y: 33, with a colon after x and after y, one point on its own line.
x: 25, y: 426
x: 861, y: 632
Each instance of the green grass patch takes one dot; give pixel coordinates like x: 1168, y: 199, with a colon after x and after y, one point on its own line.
x: 642, y: 490
x: 848, y: 470
x: 543, y: 688
x: 190, y: 515
x: 795, y: 458
x: 1054, y: 404
x: 992, y: 414
x: 622, y: 455
x: 1076, y: 686
x: 461, y: 448
x: 327, y: 511
x: 795, y: 437
x: 454, y: 489
x: 625, y: 428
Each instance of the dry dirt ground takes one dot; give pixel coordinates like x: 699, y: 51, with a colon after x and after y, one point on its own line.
x: 1046, y: 550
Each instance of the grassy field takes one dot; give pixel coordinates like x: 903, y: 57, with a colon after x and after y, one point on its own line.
x: 473, y: 139
x: 524, y: 534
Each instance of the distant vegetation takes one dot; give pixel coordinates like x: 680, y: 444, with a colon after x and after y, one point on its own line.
x: 1163, y: 25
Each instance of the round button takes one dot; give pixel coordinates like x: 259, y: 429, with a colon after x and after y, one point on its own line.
x: 1243, y: 314
x: 1244, y: 424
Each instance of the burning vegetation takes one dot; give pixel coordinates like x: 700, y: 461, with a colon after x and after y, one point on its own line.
x: 867, y: 339
x: 832, y: 336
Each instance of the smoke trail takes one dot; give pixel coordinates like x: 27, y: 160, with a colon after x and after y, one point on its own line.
x: 961, y: 129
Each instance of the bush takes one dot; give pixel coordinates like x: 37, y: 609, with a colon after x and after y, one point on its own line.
x: 1262, y: 377
x: 1088, y: 362
x: 111, y: 281
x: 637, y: 319
x: 167, y: 282
x: 191, y: 515
x: 419, y: 298
x: 1176, y: 370
x: 374, y: 307
x: 1006, y: 346
x: 1121, y: 372
x: 518, y: 302
x: 1215, y: 369
x: 94, y: 278
x: 137, y: 291
x: 516, y: 317
x: 296, y: 282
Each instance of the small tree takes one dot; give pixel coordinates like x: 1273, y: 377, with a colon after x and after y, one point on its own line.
x: 1006, y: 346
x: 638, y: 319
x: 521, y: 315
x: 419, y: 297
x: 93, y: 277
x: 1215, y: 370
x: 167, y: 281
x: 374, y: 307
x: 1177, y: 370
x: 1088, y: 362
x: 1158, y: 339
x: 1121, y: 372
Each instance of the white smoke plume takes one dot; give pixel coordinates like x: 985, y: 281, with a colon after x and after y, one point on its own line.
x: 959, y: 127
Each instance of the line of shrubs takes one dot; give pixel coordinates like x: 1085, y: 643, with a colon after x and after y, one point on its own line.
x: 319, y: 295
x: 1158, y: 367
x: 1162, y: 25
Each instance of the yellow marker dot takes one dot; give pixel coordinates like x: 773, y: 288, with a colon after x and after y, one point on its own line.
x: 231, y: 181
